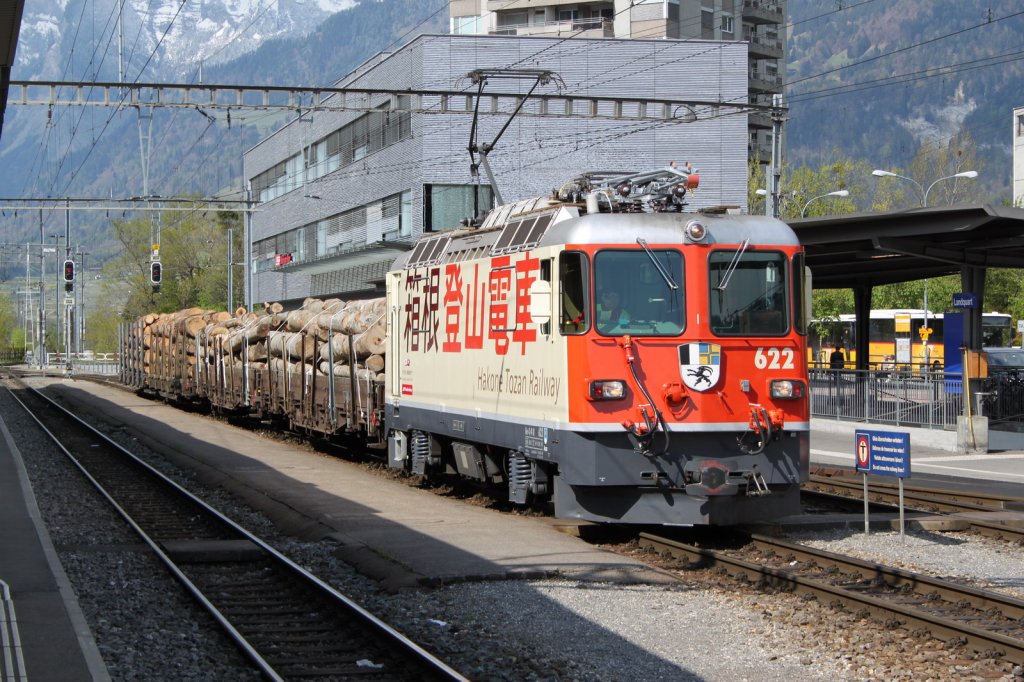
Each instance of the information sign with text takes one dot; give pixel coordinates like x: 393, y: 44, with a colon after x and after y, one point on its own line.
x: 884, y: 453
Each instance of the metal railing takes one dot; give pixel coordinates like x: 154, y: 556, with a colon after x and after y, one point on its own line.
x: 926, y: 399
x: 11, y: 356
x: 606, y: 27
x: 86, y: 362
x: 1002, y: 400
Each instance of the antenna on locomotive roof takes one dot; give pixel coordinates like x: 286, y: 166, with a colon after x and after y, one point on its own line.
x: 480, y: 77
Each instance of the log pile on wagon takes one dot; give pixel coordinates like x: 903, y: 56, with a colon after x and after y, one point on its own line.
x: 323, y: 336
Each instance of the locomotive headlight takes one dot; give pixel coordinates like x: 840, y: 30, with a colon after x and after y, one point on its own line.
x: 788, y: 389
x: 607, y: 389
x: 695, y: 231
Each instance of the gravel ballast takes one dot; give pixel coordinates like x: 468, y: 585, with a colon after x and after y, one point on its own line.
x: 706, y: 627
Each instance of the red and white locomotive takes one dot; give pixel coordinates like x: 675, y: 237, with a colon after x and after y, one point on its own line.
x: 599, y: 347
x: 636, y: 363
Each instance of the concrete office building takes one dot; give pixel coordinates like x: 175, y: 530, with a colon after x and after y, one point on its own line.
x: 340, y: 193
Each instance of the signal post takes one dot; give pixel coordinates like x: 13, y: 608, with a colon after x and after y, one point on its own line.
x: 155, y: 269
x: 69, y: 306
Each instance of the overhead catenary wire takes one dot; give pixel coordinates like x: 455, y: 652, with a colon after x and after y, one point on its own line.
x: 581, y: 83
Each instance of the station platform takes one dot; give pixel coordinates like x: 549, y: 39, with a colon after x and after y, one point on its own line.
x: 43, y: 634
x: 932, y: 458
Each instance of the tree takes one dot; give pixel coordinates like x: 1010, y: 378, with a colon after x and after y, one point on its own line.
x: 12, y: 336
x: 805, y: 184
x: 101, y: 327
x: 911, y: 294
x: 936, y: 159
x: 1004, y: 291
x: 931, y: 170
x: 802, y: 184
x: 193, y: 252
x: 827, y: 306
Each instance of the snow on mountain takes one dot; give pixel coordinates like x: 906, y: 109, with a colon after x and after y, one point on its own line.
x: 163, y: 40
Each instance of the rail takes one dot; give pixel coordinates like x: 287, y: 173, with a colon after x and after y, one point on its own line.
x: 255, y: 593
x: 986, y: 621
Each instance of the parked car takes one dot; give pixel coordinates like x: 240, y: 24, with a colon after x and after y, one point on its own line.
x: 1003, y: 361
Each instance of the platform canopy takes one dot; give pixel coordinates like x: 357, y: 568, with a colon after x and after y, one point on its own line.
x: 10, y: 27
x: 871, y: 249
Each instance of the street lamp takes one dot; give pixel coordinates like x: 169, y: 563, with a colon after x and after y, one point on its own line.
x: 837, y: 193
x: 924, y: 192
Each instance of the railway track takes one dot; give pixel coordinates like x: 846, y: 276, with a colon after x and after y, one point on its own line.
x: 988, y: 622
x: 288, y: 623
x: 927, y: 499
x: 972, y: 505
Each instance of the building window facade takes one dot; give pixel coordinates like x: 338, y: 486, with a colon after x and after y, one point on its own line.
x: 707, y: 23
x: 467, y: 25
x: 396, y: 215
x: 352, y: 142
x: 345, y: 231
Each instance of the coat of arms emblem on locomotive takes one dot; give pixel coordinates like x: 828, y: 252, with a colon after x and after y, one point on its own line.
x: 700, y: 364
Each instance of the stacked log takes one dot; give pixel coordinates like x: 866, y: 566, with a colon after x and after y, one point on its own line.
x: 322, y: 337
x: 169, y: 340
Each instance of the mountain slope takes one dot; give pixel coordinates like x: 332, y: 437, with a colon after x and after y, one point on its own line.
x: 192, y: 152
x: 879, y: 78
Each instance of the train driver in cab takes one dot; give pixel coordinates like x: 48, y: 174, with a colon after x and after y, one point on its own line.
x: 610, y: 313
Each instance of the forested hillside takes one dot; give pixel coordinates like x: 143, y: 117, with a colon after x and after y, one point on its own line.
x: 876, y: 79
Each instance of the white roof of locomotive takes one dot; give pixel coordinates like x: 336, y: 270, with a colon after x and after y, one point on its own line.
x: 568, y: 224
x: 668, y: 228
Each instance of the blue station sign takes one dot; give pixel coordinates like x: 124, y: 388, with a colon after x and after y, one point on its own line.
x: 884, y: 453
x: 965, y: 299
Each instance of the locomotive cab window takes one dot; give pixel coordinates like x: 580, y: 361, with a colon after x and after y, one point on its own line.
x: 639, y: 292
x: 748, y: 293
x: 573, y: 284
x: 801, y: 295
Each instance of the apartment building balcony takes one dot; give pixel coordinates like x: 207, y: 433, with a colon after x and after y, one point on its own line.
x: 762, y: 151
x: 512, y: 5
x: 759, y: 119
x: 579, y: 28
x: 761, y: 81
x: 762, y: 47
x: 762, y: 12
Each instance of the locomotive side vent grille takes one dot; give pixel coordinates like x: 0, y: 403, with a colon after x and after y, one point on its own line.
x: 429, y: 252
x: 521, y: 235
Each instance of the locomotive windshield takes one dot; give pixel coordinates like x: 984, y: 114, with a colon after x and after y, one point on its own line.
x: 638, y: 292
x: 748, y: 293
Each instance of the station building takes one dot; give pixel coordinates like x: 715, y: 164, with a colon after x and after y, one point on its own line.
x: 339, y: 194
